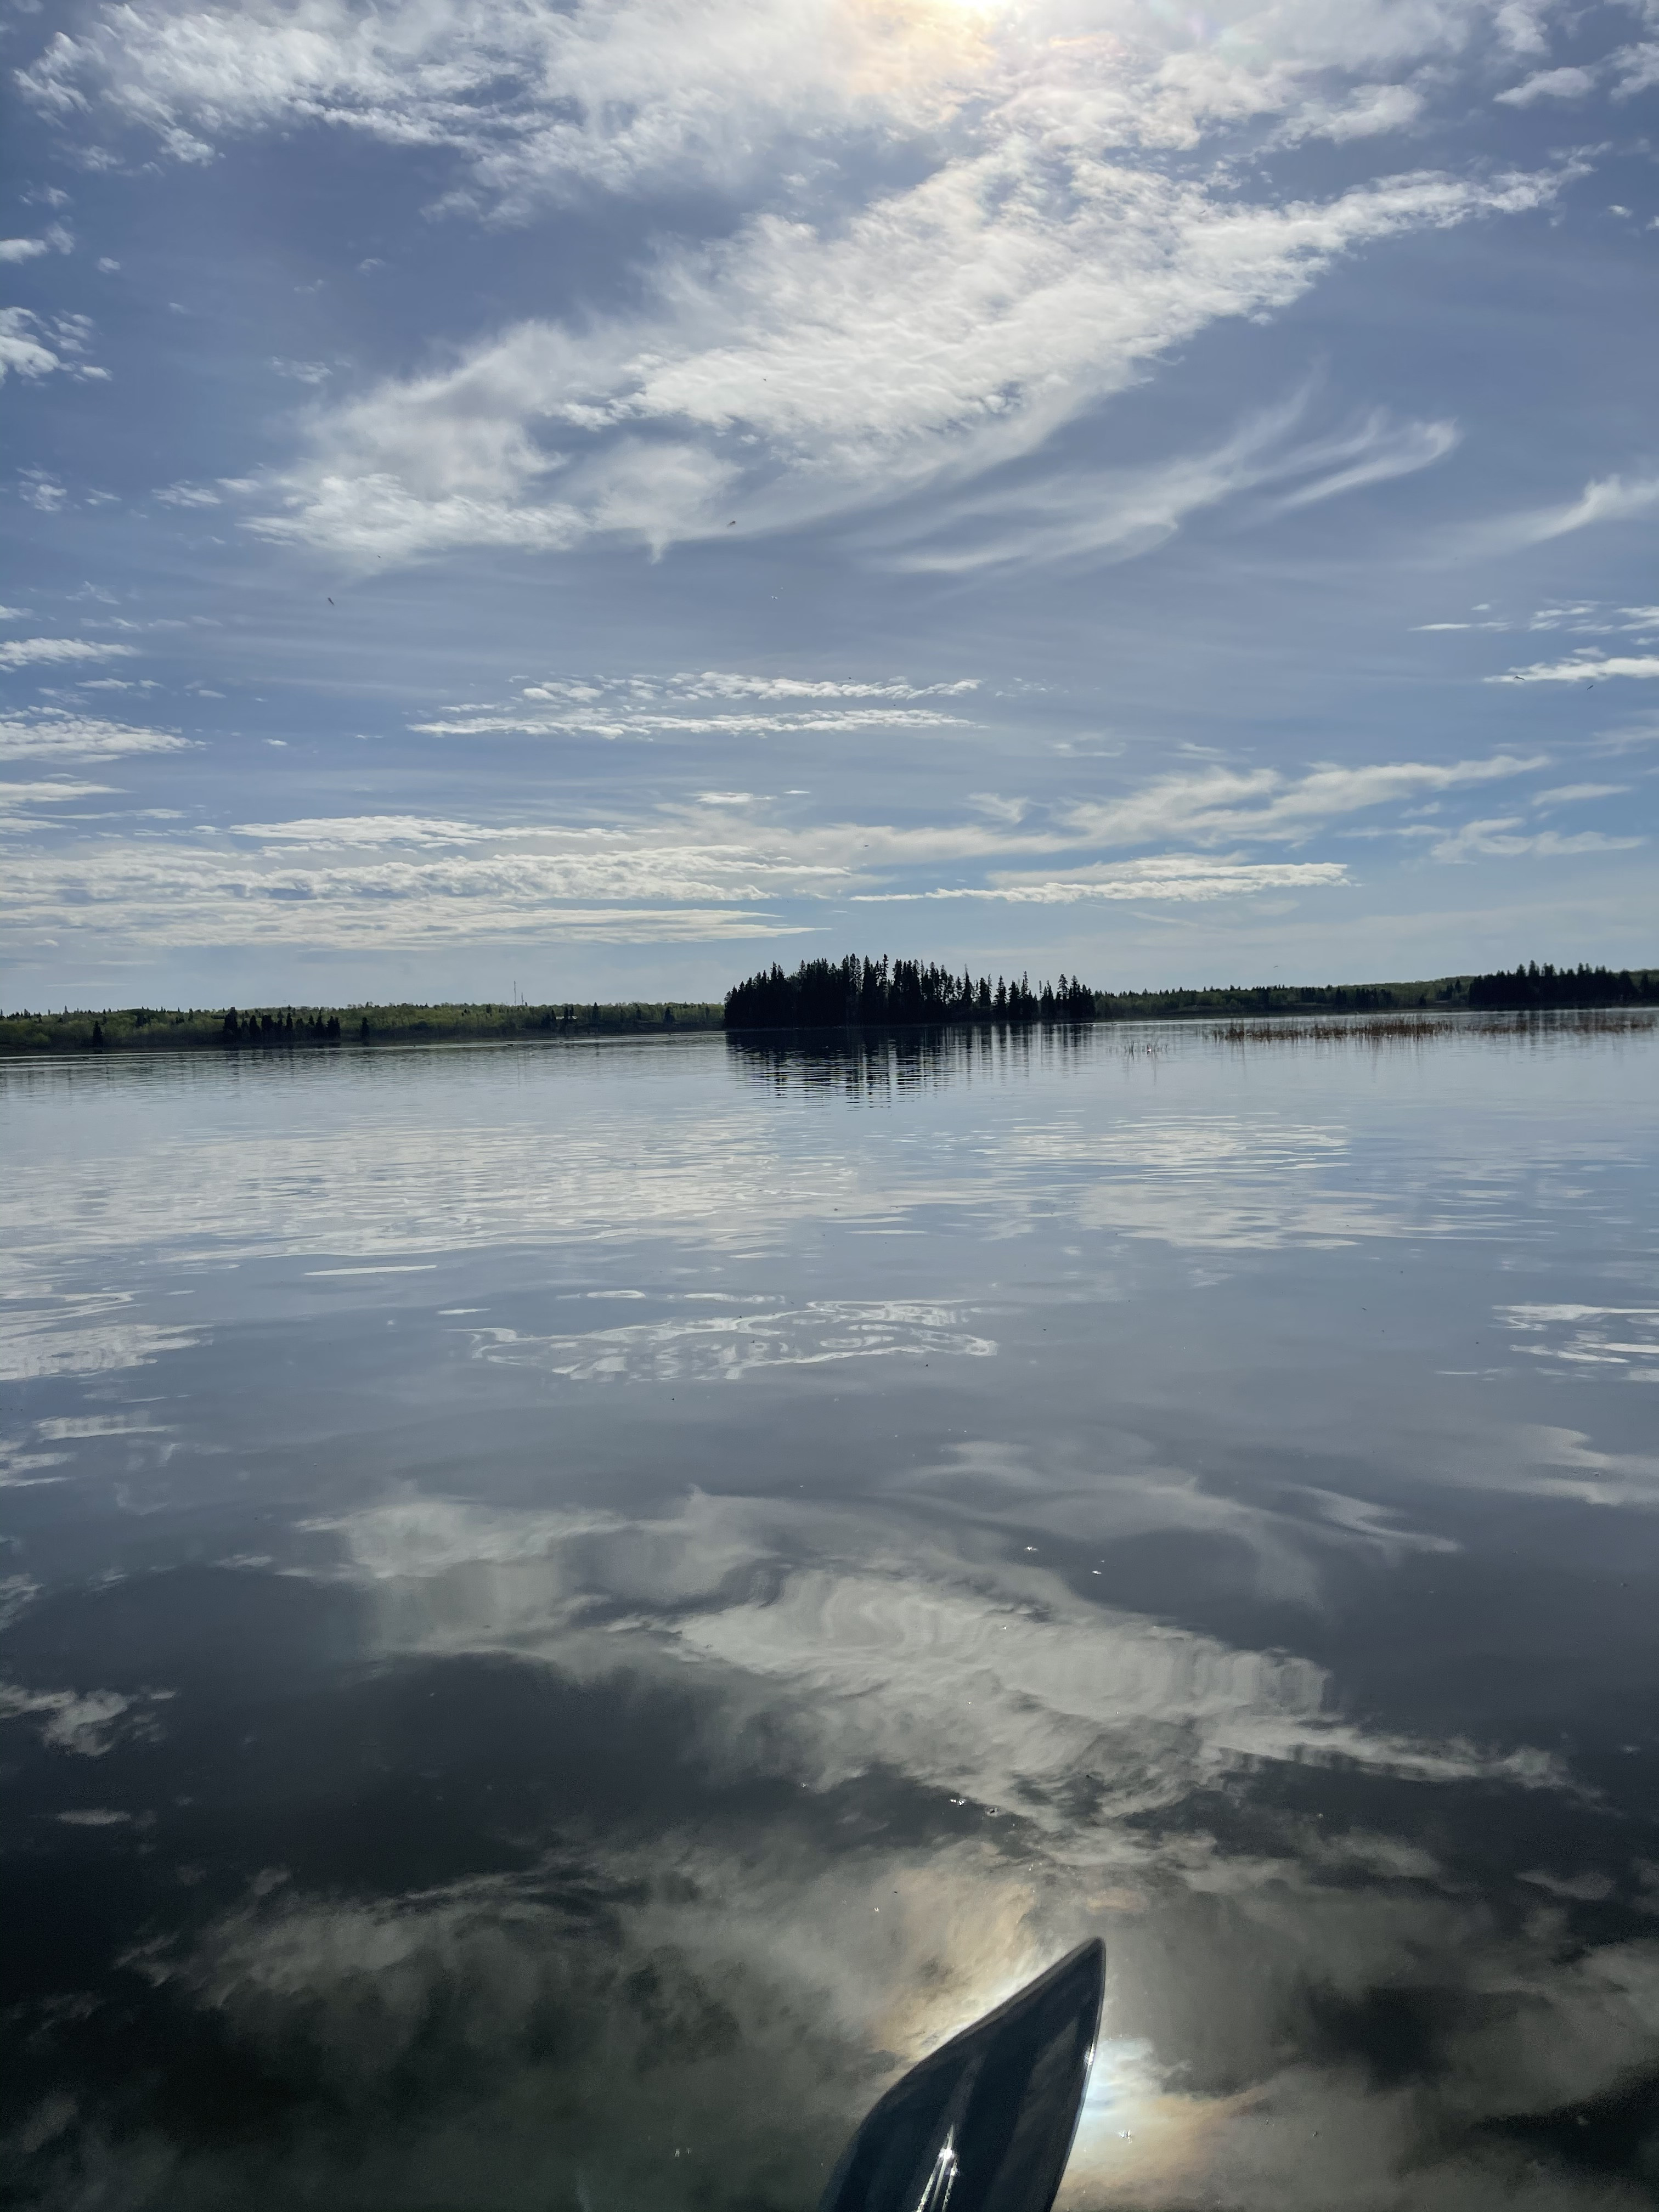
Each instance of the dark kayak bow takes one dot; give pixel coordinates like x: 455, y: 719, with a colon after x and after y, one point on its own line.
x: 984, y: 2123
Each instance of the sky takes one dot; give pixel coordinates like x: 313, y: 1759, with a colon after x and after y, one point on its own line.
x: 584, y: 500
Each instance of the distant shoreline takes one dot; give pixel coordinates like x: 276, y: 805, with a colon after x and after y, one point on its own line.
x: 312, y: 1028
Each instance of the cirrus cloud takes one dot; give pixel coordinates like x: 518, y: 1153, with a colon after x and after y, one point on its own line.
x: 53, y: 730
x: 1605, y: 499
x: 1226, y: 803
x: 1585, y: 668
x: 1075, y: 211
x: 1171, y: 877
x: 23, y: 651
x: 533, y: 102
x: 1505, y: 837
x: 777, y: 373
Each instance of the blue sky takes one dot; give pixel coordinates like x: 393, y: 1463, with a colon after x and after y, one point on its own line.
x: 594, y: 498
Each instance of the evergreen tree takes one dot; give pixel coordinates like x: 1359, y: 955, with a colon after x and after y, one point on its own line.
x: 876, y: 993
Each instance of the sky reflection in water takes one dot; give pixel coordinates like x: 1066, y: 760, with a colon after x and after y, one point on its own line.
x: 569, y: 1609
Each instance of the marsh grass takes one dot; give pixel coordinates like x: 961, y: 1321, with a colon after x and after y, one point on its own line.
x: 1380, y: 1030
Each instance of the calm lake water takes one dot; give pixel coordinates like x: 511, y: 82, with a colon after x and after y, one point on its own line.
x: 569, y: 1609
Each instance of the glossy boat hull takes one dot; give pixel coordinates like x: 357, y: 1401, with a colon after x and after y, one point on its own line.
x: 984, y: 2123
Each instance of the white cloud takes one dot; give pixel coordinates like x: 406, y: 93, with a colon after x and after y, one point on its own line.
x: 1628, y: 738
x: 1595, y: 618
x: 1605, y: 499
x: 1373, y: 109
x: 1119, y: 514
x: 35, y: 345
x: 536, y: 100
x: 841, y: 721
x: 532, y: 99
x: 15, y: 614
x: 15, y: 797
x: 1172, y: 877
x: 1504, y: 837
x: 23, y: 651
x: 58, y: 239
x: 633, y: 706
x: 811, y: 366
x: 1522, y: 30
x: 188, y: 495
x: 996, y: 808
x: 1586, y: 668
x: 1381, y: 451
x: 53, y: 730
x: 1637, y: 67
x: 701, y: 871
x: 166, y: 896
x: 344, y: 882
x: 42, y: 491
x: 1567, y: 794
x: 777, y: 376
x: 1224, y: 803
x: 22, y: 352
x: 323, y: 833
x: 1550, y: 84
x: 303, y: 371
x: 716, y: 684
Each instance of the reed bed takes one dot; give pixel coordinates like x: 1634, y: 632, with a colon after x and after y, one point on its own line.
x: 1425, y: 1029
x: 1367, y: 1029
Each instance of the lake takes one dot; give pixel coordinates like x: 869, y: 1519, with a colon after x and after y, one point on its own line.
x: 571, y: 1608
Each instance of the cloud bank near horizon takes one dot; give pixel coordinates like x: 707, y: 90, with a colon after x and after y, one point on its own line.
x: 969, y: 425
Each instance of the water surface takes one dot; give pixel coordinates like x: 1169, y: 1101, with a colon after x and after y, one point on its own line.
x: 570, y: 1608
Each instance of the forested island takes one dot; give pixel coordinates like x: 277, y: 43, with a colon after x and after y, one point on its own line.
x: 848, y: 994
x: 854, y: 993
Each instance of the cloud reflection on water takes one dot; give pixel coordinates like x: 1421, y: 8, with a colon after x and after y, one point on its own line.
x: 747, y: 1974
x: 591, y: 1804
x: 725, y: 1347
x: 311, y: 1159
x: 878, y: 1640
x: 58, y: 1336
x: 1622, y: 1337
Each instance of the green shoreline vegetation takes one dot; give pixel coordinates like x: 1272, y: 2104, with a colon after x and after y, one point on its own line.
x: 159, y: 1029
x: 848, y: 994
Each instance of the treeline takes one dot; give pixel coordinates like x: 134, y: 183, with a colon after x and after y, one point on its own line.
x: 820, y: 994
x: 887, y: 993
x: 1535, y: 986
x: 313, y: 1028
x: 1444, y: 992
x: 138, y: 1028
x: 1580, y: 986
x: 855, y: 993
